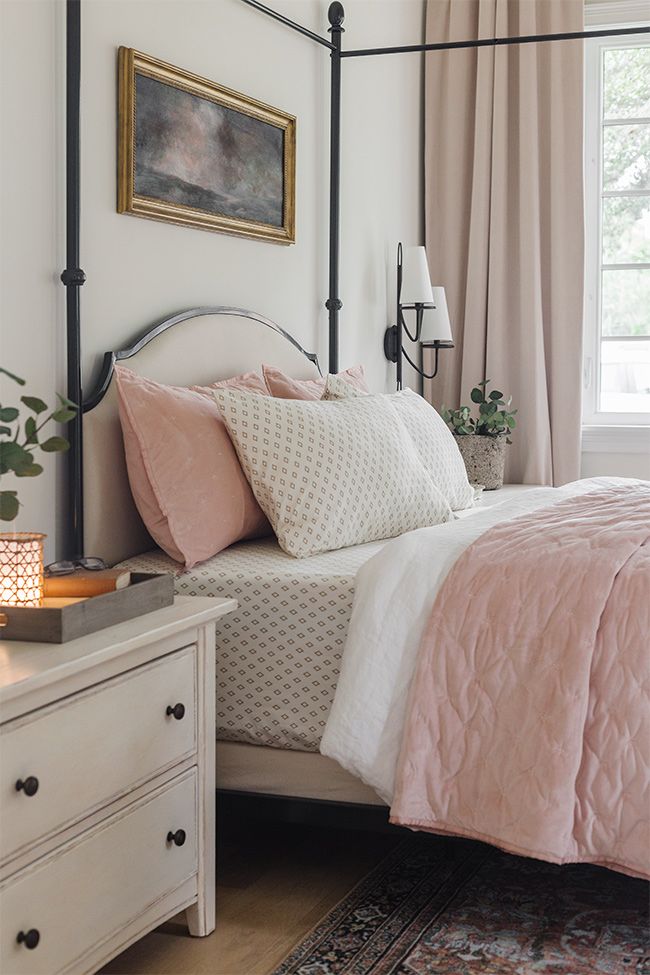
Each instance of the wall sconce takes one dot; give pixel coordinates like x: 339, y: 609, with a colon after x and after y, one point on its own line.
x: 414, y: 291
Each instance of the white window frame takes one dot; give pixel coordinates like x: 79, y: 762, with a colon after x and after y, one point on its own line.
x: 592, y: 416
x: 597, y: 434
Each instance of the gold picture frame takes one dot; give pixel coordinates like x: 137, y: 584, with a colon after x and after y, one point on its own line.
x: 194, y: 153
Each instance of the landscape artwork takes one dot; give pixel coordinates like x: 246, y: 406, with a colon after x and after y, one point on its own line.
x: 195, y: 153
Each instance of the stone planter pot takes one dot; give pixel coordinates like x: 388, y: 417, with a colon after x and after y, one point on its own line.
x: 484, y: 458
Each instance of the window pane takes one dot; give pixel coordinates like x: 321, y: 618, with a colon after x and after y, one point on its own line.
x: 627, y: 82
x: 626, y: 230
x: 626, y: 157
x: 625, y: 377
x: 626, y: 303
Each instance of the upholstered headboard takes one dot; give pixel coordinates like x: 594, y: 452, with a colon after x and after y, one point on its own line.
x: 199, y: 346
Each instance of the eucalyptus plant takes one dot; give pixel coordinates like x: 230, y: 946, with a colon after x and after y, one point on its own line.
x: 494, y: 414
x: 20, y: 436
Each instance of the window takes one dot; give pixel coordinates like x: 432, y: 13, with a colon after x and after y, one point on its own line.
x: 617, y: 186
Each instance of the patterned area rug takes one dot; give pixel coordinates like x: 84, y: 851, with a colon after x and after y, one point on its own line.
x: 441, y: 907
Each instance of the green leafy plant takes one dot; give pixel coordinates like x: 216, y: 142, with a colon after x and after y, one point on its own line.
x: 20, y: 437
x: 494, y: 414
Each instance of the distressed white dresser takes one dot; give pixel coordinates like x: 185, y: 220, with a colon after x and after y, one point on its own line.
x: 107, y: 788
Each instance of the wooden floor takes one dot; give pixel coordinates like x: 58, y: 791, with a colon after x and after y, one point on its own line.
x: 275, y: 882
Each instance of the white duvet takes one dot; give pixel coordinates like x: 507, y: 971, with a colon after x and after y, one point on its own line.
x: 394, y: 596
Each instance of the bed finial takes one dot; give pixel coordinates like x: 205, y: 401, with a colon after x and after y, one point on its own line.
x: 336, y: 16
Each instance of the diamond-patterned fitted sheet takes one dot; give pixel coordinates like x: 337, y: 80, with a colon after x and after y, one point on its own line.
x: 278, y: 655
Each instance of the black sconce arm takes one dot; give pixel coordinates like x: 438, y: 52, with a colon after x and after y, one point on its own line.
x: 419, y: 315
x: 421, y: 372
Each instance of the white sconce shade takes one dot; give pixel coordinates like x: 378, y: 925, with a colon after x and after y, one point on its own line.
x: 436, y: 326
x: 416, y: 283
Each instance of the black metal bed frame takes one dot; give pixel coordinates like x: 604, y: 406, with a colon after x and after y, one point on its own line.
x: 153, y: 331
x: 73, y: 277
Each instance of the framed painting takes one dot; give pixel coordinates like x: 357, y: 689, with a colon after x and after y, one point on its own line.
x: 192, y: 152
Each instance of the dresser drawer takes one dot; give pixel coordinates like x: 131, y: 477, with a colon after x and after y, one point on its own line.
x: 79, y: 896
x: 93, y: 747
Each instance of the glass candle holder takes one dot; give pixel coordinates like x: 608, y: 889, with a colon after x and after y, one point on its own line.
x: 21, y: 568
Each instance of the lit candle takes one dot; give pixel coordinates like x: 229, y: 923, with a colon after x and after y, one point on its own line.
x: 21, y: 568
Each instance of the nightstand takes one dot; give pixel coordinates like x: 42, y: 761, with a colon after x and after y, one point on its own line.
x: 107, y: 794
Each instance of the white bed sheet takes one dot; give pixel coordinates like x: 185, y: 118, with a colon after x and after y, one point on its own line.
x: 278, y: 656
x: 394, y: 596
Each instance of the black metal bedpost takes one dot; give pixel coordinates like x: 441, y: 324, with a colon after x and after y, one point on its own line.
x: 73, y: 277
x: 334, y: 304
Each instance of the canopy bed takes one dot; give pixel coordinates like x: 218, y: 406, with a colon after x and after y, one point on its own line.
x: 295, y: 717
x: 269, y: 740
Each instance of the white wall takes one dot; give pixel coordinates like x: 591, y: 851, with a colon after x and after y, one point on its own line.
x: 31, y: 237
x: 139, y: 270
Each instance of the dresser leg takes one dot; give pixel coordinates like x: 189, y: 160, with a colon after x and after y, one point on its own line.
x: 200, y: 919
x: 201, y: 916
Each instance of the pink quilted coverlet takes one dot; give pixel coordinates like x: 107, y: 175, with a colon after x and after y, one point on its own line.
x: 528, y: 725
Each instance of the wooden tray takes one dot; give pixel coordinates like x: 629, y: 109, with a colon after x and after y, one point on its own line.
x: 47, y: 624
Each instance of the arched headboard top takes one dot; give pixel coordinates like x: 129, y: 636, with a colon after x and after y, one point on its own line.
x: 160, y: 359
x: 199, y: 346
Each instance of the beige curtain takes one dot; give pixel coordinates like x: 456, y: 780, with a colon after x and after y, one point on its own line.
x: 504, y: 219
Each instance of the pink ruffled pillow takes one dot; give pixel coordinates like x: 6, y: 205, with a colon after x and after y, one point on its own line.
x: 284, y: 387
x: 185, y: 477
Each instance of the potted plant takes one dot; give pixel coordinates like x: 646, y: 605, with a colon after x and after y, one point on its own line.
x: 482, y: 440
x: 21, y: 553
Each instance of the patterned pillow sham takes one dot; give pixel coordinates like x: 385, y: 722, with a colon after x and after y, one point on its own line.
x: 330, y: 475
x: 432, y: 437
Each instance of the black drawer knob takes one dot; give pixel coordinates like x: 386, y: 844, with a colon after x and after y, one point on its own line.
x: 28, y: 938
x: 178, y: 710
x: 177, y: 838
x: 29, y: 786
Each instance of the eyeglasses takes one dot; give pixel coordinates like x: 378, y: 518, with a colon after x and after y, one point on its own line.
x: 66, y: 567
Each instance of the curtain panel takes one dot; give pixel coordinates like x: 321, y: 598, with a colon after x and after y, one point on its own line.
x: 504, y: 219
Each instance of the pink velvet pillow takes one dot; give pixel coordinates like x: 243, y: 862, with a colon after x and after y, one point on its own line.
x: 284, y: 387
x: 186, y: 480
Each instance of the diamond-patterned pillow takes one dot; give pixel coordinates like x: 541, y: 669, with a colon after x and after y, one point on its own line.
x: 329, y: 475
x: 432, y: 437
